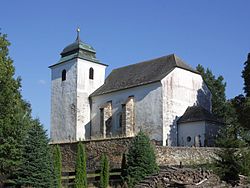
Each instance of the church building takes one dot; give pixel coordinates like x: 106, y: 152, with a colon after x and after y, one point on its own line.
x: 164, y: 97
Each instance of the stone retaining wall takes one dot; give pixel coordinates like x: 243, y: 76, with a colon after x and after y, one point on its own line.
x: 185, y: 155
x: 115, y: 147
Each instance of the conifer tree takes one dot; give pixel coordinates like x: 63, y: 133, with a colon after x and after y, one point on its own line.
x: 217, y: 87
x: 81, y: 171
x: 35, y: 169
x: 15, y: 115
x: 234, y: 138
x: 57, y: 166
x: 244, y: 110
x: 246, y: 76
x: 124, y: 165
x: 104, y: 174
x: 228, y: 165
x: 141, y: 160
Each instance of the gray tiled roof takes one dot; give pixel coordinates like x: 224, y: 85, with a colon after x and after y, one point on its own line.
x: 141, y: 73
x: 198, y: 113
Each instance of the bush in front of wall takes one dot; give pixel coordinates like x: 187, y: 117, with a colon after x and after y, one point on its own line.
x: 81, y: 171
x: 104, y: 174
x: 141, y: 160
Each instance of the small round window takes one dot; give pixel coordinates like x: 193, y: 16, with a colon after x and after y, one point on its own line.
x: 188, y: 139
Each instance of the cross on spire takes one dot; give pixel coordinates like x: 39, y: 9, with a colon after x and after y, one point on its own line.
x: 78, y: 34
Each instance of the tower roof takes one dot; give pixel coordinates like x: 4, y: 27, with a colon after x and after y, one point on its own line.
x: 78, y: 49
x: 77, y: 45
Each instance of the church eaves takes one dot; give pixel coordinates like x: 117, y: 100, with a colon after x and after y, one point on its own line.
x: 141, y: 73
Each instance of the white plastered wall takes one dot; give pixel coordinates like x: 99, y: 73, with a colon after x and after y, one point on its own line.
x: 192, y: 130
x: 63, y: 102
x: 85, y: 87
x: 181, y: 88
x: 148, y: 110
x: 70, y: 106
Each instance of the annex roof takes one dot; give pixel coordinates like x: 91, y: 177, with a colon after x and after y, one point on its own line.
x: 198, y: 113
x: 141, y: 73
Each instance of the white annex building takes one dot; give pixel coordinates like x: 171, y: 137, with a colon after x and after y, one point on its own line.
x: 164, y: 97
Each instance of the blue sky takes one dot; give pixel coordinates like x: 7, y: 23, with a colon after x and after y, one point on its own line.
x: 213, y: 33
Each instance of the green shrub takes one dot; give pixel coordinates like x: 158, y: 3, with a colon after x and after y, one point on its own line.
x: 141, y: 160
x: 104, y: 174
x: 57, y: 166
x: 227, y: 166
x: 124, y: 166
x: 81, y: 171
x: 245, y: 157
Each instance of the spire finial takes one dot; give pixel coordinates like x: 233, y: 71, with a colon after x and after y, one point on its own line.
x: 78, y: 34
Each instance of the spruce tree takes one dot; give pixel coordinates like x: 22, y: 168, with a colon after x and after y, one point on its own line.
x: 57, y: 166
x: 228, y: 165
x: 15, y: 115
x: 229, y: 158
x: 217, y: 87
x: 81, y: 170
x: 244, y: 110
x: 35, y: 169
x: 104, y: 174
x: 246, y: 76
x: 141, y: 160
x: 234, y: 157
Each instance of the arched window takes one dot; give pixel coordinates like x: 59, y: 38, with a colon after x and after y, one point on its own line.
x: 64, y: 75
x: 91, y: 73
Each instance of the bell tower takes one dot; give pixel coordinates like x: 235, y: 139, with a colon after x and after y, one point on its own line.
x: 77, y: 74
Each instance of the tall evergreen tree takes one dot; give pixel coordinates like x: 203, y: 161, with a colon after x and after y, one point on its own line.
x: 217, y: 87
x: 141, y: 160
x: 104, y: 174
x: 232, y: 162
x: 244, y: 110
x: 231, y: 132
x: 14, y: 115
x: 227, y: 164
x: 57, y: 166
x: 35, y: 170
x: 81, y: 170
x: 246, y: 76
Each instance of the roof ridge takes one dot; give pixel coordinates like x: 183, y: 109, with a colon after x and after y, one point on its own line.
x: 145, y: 61
x: 141, y: 73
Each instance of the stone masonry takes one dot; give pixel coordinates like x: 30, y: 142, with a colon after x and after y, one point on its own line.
x: 128, y: 118
x: 106, y: 119
x: 115, y: 147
